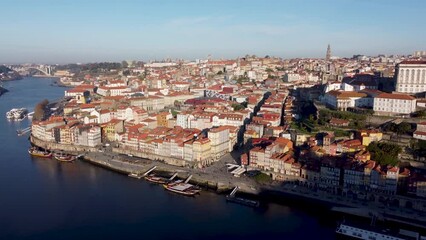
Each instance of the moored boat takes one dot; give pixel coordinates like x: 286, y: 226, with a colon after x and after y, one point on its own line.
x: 182, y: 188
x: 62, y: 157
x: 37, y: 153
x: 154, y: 179
x: 243, y: 201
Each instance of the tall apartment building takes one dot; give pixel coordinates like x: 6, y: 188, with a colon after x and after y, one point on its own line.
x: 411, y: 77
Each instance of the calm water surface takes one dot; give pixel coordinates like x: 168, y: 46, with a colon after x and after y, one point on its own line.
x: 45, y: 199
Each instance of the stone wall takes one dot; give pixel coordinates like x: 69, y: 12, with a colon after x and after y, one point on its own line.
x: 52, y: 146
x: 168, y: 160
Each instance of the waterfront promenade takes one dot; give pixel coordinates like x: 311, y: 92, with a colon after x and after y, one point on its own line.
x: 217, y: 177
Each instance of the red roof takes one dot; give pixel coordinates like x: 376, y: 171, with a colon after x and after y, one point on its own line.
x: 395, y: 96
x: 413, y: 62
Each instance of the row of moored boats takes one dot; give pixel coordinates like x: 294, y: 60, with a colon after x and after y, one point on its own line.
x: 60, y: 156
x: 17, y: 114
x: 176, y: 186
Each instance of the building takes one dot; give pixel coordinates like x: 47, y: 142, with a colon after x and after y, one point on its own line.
x: 411, y: 77
x: 420, y: 132
x: 219, y: 138
x: 342, y: 100
x: 393, y: 103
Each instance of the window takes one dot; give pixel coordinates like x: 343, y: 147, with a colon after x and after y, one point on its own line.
x: 418, y: 75
x: 413, y: 73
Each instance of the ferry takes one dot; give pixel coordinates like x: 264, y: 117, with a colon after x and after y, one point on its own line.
x: 154, y: 179
x: 62, y: 157
x: 349, y: 231
x: 37, y: 153
x: 182, y: 188
x: 17, y: 114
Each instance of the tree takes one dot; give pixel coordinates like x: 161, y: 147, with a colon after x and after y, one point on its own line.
x: 384, y: 153
x: 219, y: 72
x: 40, y: 110
x: 124, y: 64
x: 403, y: 128
x: 237, y: 106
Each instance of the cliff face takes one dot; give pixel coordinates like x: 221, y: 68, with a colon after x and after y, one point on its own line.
x: 7, y: 74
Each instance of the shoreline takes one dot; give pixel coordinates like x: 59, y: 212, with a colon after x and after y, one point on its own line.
x: 247, y: 187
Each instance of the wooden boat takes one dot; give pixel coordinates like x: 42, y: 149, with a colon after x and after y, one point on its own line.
x: 182, y: 188
x: 37, y: 153
x: 154, y: 179
x: 62, y: 157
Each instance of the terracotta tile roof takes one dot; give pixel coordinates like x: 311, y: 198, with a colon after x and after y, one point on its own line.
x: 395, y: 96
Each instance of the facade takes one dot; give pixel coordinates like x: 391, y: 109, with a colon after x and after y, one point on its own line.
x: 342, y: 100
x: 392, y: 104
x: 420, y: 132
x: 219, y: 138
x: 411, y: 77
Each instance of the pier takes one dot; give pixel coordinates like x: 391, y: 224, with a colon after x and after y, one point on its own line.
x: 247, y: 202
x: 24, y: 131
x: 149, y: 171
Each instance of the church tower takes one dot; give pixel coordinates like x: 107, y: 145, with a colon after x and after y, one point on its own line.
x: 328, y: 55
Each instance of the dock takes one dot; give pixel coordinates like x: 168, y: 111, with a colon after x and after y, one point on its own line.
x: 247, y: 202
x: 23, y: 131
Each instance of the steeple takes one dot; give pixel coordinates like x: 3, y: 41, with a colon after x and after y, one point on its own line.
x: 328, y: 55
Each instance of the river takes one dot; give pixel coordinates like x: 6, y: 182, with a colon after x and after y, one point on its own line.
x: 46, y: 199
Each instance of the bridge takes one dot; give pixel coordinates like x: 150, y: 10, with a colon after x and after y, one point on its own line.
x: 45, y: 70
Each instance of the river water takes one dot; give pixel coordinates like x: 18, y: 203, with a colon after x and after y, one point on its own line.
x: 46, y: 199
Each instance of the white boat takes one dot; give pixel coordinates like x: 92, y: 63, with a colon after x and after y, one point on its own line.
x: 17, y: 114
x: 374, y: 233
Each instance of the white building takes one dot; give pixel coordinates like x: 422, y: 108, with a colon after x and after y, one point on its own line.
x: 291, y: 77
x: 411, y: 77
x: 342, y: 100
x: 94, y: 136
x: 391, y: 103
x: 420, y: 132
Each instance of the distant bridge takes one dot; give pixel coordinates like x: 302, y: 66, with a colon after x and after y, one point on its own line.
x: 44, y: 69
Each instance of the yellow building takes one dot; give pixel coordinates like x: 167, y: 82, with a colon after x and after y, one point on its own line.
x: 368, y: 136
x: 110, y: 129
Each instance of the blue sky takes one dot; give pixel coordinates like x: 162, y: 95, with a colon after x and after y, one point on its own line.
x: 61, y: 31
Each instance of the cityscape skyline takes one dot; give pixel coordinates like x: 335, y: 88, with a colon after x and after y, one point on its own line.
x: 65, y: 32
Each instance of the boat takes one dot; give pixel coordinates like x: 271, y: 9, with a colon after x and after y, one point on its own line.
x: 63, y: 157
x: 18, y: 114
x: 243, y: 201
x: 154, y: 179
x: 351, y: 231
x: 182, y: 188
x: 37, y: 153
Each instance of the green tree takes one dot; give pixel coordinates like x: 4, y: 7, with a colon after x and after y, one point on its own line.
x: 237, y: 106
x: 384, y: 153
x: 403, y: 128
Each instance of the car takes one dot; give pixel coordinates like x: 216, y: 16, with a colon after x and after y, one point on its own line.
x: 130, y: 155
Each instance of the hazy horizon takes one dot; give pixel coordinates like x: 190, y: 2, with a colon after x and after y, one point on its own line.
x: 49, y: 31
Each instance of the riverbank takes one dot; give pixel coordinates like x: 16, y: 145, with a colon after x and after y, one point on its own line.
x: 217, y: 178
x: 3, y: 91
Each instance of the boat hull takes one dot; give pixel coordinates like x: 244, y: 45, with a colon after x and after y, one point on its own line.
x: 156, y: 180
x: 40, y: 155
x: 188, y: 193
